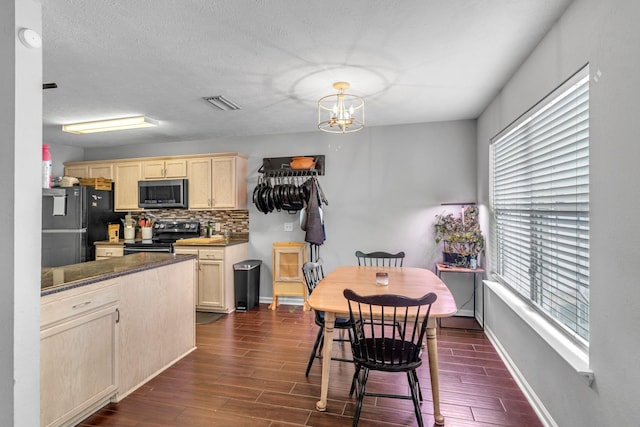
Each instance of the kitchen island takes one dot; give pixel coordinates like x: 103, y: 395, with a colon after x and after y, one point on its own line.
x: 107, y: 327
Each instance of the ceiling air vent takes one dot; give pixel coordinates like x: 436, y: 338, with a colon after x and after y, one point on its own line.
x: 222, y: 103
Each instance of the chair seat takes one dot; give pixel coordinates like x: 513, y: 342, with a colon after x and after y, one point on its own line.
x: 341, y: 322
x: 387, y: 355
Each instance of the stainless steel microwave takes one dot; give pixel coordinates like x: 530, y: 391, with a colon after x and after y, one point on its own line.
x: 165, y: 193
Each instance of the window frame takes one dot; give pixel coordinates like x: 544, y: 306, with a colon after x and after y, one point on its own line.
x: 528, y: 281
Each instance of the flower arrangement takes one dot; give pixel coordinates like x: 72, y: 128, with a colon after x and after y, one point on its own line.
x: 461, y: 235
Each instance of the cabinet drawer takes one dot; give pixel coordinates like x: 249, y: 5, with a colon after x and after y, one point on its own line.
x: 109, y: 251
x: 211, y: 254
x: 72, y: 306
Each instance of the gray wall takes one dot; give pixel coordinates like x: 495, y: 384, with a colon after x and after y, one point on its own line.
x: 604, y: 34
x: 384, y: 186
x: 20, y: 163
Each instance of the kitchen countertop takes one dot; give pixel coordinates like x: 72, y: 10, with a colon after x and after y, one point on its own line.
x: 57, y: 279
x: 200, y: 241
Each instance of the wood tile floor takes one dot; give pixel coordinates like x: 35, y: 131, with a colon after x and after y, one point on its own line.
x: 249, y: 368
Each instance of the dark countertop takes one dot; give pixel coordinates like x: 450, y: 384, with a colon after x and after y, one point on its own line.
x: 57, y: 279
x: 190, y: 242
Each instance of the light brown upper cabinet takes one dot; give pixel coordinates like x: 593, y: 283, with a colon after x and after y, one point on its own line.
x: 125, y: 196
x: 164, y: 169
x: 218, y: 182
x: 90, y: 170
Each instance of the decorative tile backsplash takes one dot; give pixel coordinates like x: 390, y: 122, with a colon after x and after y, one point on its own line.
x: 236, y: 221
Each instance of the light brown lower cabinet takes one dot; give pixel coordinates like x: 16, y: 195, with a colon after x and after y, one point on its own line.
x: 215, y: 291
x: 79, y: 354
x: 102, y: 341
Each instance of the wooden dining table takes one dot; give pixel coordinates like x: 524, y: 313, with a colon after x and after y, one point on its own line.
x: 408, y: 281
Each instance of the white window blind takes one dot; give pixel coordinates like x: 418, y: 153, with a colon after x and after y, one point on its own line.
x: 540, y: 207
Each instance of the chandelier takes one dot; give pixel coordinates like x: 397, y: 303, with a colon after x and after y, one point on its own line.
x: 340, y: 112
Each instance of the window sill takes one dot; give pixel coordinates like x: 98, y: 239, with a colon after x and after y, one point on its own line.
x: 575, y: 356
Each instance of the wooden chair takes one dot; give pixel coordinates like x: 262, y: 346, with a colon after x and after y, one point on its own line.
x: 380, y: 259
x: 377, y: 343
x: 313, y: 273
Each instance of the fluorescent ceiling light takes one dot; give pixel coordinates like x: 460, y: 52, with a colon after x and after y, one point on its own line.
x: 109, y: 125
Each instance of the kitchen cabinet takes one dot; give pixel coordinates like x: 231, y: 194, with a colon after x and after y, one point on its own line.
x: 157, y: 322
x: 101, y: 170
x: 79, y: 351
x: 214, y: 278
x: 126, y: 177
x: 217, y: 182
x: 103, y: 339
x: 164, y: 169
x: 79, y: 171
x: 109, y: 251
x: 89, y: 170
x: 288, y: 280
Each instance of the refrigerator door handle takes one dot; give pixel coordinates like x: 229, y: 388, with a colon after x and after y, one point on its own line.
x: 64, y: 230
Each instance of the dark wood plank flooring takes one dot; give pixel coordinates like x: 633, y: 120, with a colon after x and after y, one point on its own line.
x: 249, y: 368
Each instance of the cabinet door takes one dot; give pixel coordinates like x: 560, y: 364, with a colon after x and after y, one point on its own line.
x: 79, y: 171
x: 77, y: 366
x: 210, y: 284
x: 199, y: 175
x: 175, y: 168
x: 102, y: 170
x: 126, y: 180
x: 153, y: 169
x: 160, y: 169
x: 223, y: 171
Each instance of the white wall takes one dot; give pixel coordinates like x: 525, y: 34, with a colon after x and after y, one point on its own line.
x: 384, y: 186
x: 20, y: 163
x: 604, y: 34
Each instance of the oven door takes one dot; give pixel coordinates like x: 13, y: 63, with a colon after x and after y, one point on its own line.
x: 133, y: 248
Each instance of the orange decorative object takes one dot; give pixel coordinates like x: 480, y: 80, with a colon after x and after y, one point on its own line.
x: 302, y: 163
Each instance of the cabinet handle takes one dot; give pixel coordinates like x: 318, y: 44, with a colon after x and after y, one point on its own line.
x: 117, y: 315
x: 82, y: 304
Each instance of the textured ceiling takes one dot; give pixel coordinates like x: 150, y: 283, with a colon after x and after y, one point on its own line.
x: 412, y: 60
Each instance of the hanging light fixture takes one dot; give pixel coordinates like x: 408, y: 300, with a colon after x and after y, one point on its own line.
x: 340, y: 112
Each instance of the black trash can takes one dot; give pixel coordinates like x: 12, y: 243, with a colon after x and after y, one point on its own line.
x: 246, y: 278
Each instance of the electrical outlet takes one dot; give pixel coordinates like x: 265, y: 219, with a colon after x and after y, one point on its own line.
x: 288, y: 226
x: 217, y: 226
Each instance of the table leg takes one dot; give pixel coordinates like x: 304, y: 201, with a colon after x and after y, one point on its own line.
x: 329, y: 323
x: 432, y: 351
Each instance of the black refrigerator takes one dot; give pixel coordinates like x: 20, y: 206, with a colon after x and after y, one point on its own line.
x: 73, y: 218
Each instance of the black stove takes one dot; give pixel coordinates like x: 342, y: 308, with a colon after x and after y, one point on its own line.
x: 165, y: 234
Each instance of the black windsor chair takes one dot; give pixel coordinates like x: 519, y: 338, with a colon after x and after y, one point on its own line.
x: 380, y: 259
x: 378, y: 344
x: 313, y: 273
